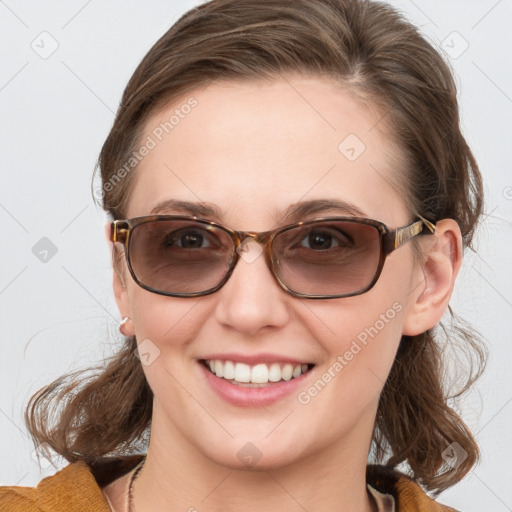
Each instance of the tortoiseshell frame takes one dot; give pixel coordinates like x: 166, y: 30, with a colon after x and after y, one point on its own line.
x: 389, y: 241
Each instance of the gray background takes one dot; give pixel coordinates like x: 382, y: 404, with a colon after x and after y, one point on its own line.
x: 57, y: 309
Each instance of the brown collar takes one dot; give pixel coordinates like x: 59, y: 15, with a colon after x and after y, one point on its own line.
x: 77, y: 488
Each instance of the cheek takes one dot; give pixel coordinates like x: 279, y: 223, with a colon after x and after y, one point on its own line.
x: 377, y: 314
x: 366, y: 339
x: 165, y: 328
x: 165, y: 322
x: 361, y: 351
x: 360, y: 337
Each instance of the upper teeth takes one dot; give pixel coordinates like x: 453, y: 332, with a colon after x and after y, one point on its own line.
x: 258, y: 374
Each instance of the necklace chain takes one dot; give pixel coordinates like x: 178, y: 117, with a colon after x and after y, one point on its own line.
x: 131, y: 506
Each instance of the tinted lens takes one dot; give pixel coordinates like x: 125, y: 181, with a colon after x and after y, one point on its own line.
x: 328, y: 257
x: 179, y: 256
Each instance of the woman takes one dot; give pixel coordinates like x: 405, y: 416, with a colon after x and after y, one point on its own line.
x: 290, y: 194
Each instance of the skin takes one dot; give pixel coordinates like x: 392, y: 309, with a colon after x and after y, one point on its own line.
x: 252, y: 149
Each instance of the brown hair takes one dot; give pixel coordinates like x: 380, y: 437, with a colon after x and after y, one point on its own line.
x: 370, y: 49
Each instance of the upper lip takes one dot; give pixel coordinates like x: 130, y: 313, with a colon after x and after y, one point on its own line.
x: 254, y: 359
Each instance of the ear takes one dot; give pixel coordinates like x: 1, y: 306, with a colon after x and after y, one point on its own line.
x: 119, y: 286
x: 442, y: 259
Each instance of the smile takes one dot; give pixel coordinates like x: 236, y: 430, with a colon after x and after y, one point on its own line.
x: 256, y: 375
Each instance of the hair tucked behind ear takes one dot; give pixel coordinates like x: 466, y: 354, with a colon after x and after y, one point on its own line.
x: 415, y: 423
x: 86, y: 415
x: 372, y: 51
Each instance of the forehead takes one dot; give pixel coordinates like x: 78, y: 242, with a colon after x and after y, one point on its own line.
x: 252, y: 149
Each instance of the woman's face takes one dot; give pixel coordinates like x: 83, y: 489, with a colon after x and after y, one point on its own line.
x: 249, y: 151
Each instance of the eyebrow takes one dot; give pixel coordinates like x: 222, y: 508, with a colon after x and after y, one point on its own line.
x: 298, y: 211
x: 294, y: 212
x: 195, y: 209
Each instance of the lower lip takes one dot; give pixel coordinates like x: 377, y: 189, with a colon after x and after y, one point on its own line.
x: 242, y: 396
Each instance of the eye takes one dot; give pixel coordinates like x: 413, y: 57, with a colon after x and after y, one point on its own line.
x: 324, y: 238
x: 319, y: 240
x: 188, y: 239
x: 193, y: 241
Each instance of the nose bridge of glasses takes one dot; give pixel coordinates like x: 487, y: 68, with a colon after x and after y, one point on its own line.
x: 260, y: 238
x: 260, y: 242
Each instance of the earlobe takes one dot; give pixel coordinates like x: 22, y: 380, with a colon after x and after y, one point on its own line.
x: 441, y: 263
x: 121, y: 296
x: 119, y: 286
x: 120, y: 292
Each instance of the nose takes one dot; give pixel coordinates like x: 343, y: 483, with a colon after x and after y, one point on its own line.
x: 252, y: 300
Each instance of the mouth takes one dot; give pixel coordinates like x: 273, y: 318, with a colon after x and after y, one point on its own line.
x: 257, y: 375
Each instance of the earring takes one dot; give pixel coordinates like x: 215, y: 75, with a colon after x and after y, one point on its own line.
x: 122, y: 325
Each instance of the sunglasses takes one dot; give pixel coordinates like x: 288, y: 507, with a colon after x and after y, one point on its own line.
x: 323, y: 258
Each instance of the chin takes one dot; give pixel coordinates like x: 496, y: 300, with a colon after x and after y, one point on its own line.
x: 249, y: 456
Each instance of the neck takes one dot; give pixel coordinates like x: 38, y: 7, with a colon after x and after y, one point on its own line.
x: 188, y: 481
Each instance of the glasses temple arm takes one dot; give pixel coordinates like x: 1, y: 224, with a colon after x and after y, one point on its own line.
x: 118, y: 231
x: 402, y: 235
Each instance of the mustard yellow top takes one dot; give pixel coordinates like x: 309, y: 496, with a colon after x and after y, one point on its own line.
x: 76, y: 489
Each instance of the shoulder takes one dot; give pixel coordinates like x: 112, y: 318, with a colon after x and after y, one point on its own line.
x: 75, y: 488
x: 409, y: 496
